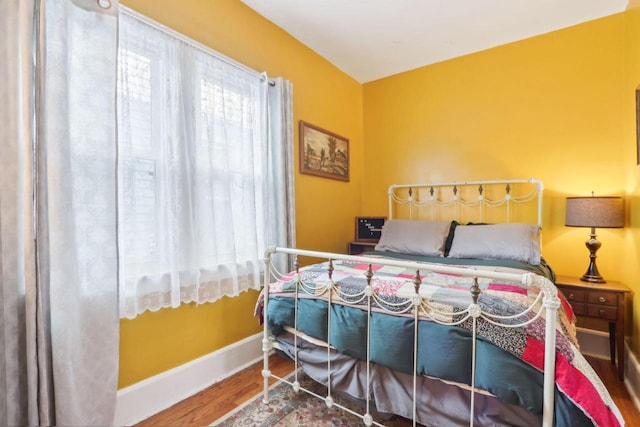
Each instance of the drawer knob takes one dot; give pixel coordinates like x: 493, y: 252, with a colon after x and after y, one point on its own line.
x: 570, y: 296
x: 602, y: 313
x: 602, y: 299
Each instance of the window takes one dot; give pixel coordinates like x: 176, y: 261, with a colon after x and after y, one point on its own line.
x: 137, y: 162
x: 193, y: 159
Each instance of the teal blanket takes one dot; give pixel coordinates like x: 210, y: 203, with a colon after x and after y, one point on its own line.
x: 509, y: 361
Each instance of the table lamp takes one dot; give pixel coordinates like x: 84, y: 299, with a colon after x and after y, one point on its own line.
x: 594, y: 212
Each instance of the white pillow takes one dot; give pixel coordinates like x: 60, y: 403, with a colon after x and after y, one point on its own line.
x: 414, y: 237
x: 497, y: 241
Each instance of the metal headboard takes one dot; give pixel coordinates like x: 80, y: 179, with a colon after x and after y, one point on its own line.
x: 469, y: 200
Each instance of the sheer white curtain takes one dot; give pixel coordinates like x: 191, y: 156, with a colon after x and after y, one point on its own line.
x: 197, y: 196
x: 59, y: 326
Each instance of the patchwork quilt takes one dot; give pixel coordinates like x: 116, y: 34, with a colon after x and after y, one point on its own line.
x: 509, y: 361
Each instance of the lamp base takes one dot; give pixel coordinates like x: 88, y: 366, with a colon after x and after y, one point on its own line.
x: 592, y: 275
x: 592, y: 279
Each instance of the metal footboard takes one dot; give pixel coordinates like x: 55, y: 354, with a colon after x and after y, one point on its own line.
x: 546, y: 304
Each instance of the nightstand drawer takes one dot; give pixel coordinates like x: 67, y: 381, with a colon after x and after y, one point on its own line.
x: 600, y: 304
x: 601, y: 297
x: 602, y: 311
x: 574, y: 295
x: 579, y: 308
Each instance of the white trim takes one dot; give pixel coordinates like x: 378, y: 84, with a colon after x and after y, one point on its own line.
x: 593, y: 343
x: 632, y: 376
x: 596, y: 344
x: 152, y: 395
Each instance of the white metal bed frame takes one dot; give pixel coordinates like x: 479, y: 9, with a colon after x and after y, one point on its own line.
x: 438, y: 197
x: 547, y: 300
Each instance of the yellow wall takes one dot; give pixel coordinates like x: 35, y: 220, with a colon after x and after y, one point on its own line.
x: 557, y: 107
x: 631, y: 247
x: 324, y: 96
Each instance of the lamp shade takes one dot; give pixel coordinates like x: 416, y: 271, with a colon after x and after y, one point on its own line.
x: 595, y: 212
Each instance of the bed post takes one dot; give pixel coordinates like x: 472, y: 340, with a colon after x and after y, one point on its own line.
x: 266, y: 343
x: 540, y: 188
x: 390, y: 196
x: 551, y: 304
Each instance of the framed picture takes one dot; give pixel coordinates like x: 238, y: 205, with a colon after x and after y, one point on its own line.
x: 369, y: 228
x: 323, y: 153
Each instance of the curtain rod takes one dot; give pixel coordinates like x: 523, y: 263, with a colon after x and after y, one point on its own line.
x: 206, y: 49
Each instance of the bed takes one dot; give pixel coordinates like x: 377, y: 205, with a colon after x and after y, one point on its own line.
x: 453, y: 319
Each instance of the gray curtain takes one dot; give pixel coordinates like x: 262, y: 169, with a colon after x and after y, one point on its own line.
x: 281, y: 170
x: 58, y: 254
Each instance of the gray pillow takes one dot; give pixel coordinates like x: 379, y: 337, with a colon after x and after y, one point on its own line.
x: 414, y: 237
x: 515, y: 241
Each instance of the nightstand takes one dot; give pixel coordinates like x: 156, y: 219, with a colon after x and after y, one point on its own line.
x: 604, y: 302
x: 356, y: 247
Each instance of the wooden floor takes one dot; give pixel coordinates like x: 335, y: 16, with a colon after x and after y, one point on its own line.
x: 214, y: 402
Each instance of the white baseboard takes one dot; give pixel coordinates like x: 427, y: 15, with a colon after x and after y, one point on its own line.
x: 152, y: 395
x: 593, y: 343
x: 632, y: 376
x: 596, y: 344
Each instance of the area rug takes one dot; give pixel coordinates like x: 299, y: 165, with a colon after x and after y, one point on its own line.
x: 288, y: 408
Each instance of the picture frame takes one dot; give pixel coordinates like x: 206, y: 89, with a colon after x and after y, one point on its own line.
x: 323, y: 153
x: 369, y: 228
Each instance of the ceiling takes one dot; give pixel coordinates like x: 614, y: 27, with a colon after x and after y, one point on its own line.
x: 372, y: 39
